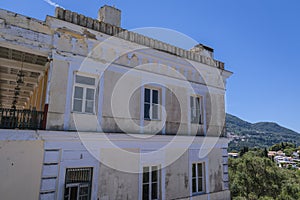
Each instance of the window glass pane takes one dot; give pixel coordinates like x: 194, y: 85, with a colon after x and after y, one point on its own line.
x: 155, y: 96
x: 194, y: 185
x: 78, y: 93
x: 83, y: 198
x: 154, y: 191
x: 90, y: 94
x: 154, y: 168
x: 199, y: 169
x: 67, y: 193
x: 194, y: 170
x: 89, y: 106
x: 200, y: 185
x: 77, y: 106
x: 145, y: 174
x: 192, y: 102
x: 154, y: 176
x: 146, y: 111
x: 197, y: 117
x: 85, y: 80
x: 146, y: 192
x: 197, y: 103
x: 73, y: 192
x: 147, y: 95
x: 200, y: 118
x: 154, y: 111
x: 83, y: 190
x: 194, y: 115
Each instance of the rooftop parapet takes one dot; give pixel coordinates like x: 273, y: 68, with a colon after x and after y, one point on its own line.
x: 109, y: 29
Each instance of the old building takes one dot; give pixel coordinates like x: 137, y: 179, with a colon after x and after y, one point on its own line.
x: 93, y: 111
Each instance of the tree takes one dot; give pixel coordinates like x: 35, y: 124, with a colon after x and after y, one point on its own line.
x: 266, y: 153
x: 288, y: 151
x: 253, y: 177
x: 243, y: 151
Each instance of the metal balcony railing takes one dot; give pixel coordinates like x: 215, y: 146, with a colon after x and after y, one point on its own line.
x: 21, y: 119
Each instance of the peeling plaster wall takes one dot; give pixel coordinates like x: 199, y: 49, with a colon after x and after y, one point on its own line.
x: 215, y: 172
x: 57, y: 95
x: 116, y: 185
x: 24, y: 33
x: 215, y: 114
x: 25, y: 149
x: 177, y: 178
x: 109, y: 29
x: 75, y: 36
x: 73, y: 43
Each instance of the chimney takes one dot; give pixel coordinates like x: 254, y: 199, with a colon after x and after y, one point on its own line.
x: 203, y: 50
x: 110, y: 15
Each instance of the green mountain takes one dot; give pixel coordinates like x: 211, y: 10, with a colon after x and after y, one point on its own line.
x: 258, y: 135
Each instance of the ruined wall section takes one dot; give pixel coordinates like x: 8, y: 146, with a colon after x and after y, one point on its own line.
x: 24, y: 33
x: 109, y: 29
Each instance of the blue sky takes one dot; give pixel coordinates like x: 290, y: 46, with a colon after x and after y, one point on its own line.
x: 258, y: 40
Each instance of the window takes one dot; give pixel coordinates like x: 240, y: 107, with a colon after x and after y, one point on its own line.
x: 196, y: 110
x: 151, y: 104
x: 84, y: 94
x: 78, y: 183
x: 151, y: 186
x: 197, y: 177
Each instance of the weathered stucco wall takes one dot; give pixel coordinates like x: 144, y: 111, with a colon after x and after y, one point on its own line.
x: 116, y: 185
x: 215, y: 172
x: 70, y: 42
x: 57, y: 95
x: 177, y: 178
x: 20, y: 169
x: 215, y: 114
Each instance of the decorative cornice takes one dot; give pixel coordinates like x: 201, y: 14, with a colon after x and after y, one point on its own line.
x: 94, y: 24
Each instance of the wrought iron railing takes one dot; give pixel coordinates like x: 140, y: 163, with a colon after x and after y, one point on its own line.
x: 21, y: 119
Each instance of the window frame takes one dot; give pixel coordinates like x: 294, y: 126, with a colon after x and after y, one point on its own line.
x: 151, y: 104
x: 151, y: 182
x: 194, y: 108
x: 78, y: 184
x: 84, y: 99
x: 196, y: 164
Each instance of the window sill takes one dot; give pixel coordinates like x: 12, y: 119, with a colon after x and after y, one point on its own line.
x: 146, y: 119
x: 82, y: 113
x: 198, y: 193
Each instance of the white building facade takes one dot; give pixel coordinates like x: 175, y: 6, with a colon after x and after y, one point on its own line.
x: 113, y: 114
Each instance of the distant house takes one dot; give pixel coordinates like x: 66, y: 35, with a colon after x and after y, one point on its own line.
x: 272, y: 154
x: 233, y: 155
x: 295, y: 154
x: 280, y: 153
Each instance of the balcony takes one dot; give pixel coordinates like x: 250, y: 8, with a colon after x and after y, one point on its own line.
x: 22, y: 119
x: 23, y: 83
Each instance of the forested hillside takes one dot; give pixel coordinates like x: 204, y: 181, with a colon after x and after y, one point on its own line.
x: 263, y: 134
